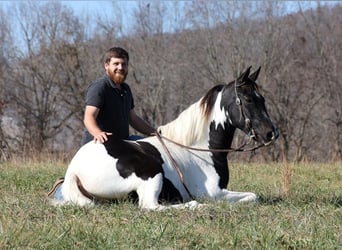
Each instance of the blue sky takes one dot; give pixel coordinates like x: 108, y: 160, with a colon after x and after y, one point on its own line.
x: 95, y: 6
x: 86, y: 7
x: 92, y: 8
x: 99, y: 6
x: 105, y: 8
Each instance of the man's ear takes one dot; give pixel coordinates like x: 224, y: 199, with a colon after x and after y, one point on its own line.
x: 105, y: 65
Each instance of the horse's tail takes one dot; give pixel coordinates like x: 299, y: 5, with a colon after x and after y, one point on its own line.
x: 72, y: 190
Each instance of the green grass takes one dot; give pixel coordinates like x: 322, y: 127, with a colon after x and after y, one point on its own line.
x: 307, y: 216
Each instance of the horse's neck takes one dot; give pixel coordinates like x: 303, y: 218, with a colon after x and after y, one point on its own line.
x: 221, y: 131
x: 189, y: 128
x: 221, y: 138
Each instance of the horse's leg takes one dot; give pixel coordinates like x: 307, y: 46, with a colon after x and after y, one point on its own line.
x: 233, y: 196
x: 148, y: 192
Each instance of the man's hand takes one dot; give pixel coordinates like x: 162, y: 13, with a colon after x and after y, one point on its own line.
x: 101, y: 137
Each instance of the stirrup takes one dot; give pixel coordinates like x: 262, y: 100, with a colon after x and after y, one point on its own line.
x: 54, y: 187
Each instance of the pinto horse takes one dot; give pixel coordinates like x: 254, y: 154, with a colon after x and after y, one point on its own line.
x: 116, y: 168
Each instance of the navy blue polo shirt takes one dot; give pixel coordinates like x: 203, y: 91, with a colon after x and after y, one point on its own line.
x: 114, y: 105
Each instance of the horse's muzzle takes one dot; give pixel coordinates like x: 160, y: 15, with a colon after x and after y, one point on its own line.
x: 271, y: 136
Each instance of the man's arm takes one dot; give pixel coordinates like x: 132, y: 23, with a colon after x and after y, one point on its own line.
x: 90, y: 123
x: 139, y: 124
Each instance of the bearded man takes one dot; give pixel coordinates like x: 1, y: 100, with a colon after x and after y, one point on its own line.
x: 109, y: 102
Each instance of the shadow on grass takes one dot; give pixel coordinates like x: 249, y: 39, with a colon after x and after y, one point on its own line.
x: 335, y: 201
x: 273, y: 200
x: 262, y: 200
x: 270, y: 200
x: 131, y: 198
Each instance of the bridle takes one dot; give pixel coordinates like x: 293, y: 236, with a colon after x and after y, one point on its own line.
x: 239, y: 149
x: 238, y: 102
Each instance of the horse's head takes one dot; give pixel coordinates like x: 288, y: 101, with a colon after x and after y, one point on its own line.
x: 245, y: 108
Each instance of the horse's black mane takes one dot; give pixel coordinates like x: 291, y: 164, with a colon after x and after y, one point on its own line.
x: 208, y: 101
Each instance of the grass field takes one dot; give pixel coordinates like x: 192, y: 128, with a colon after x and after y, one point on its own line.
x: 300, y: 208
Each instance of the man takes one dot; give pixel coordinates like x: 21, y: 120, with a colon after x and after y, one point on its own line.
x: 109, y: 107
x: 109, y: 102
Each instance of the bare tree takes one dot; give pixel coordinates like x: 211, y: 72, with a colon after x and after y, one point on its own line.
x: 37, y: 92
x: 150, y: 63
x: 5, y: 41
x: 320, y: 24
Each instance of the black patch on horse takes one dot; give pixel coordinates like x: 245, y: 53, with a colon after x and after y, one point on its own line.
x: 169, y: 193
x: 220, y: 138
x: 140, y: 158
x: 145, y: 161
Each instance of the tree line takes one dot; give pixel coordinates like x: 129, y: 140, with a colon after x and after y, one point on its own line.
x: 178, y: 50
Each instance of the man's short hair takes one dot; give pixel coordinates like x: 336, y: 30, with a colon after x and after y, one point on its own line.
x: 116, y: 52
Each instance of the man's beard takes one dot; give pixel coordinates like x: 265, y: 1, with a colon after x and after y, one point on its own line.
x: 117, y: 78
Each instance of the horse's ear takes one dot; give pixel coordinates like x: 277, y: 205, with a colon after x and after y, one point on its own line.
x: 255, y: 75
x: 244, y: 76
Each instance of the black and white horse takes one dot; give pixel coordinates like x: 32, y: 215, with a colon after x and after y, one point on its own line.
x: 118, y: 167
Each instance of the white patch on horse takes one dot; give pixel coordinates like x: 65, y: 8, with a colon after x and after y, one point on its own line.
x: 219, y: 114
x: 230, y: 120
x: 189, y: 127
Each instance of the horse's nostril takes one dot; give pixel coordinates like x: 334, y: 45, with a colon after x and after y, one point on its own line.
x: 270, y: 136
